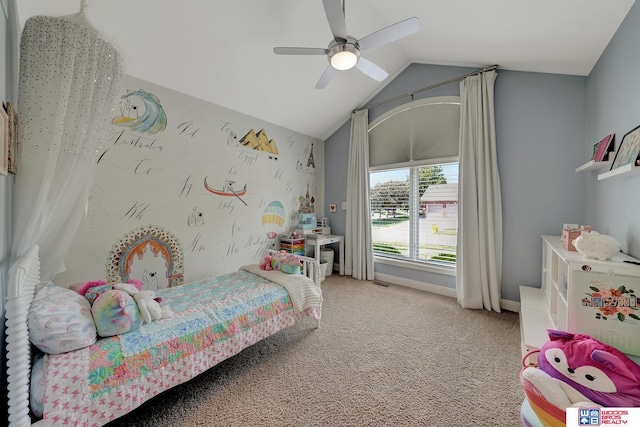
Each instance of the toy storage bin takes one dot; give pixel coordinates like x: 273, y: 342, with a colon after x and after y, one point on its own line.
x: 327, y: 255
x: 292, y: 245
x: 290, y: 269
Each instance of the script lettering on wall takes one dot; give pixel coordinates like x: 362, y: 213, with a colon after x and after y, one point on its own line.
x: 225, y: 184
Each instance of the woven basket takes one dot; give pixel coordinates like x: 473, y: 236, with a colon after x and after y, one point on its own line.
x: 327, y: 255
x: 323, y: 270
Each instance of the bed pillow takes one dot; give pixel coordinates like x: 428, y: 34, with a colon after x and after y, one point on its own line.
x: 60, y: 320
x: 115, y: 312
x: 37, y: 386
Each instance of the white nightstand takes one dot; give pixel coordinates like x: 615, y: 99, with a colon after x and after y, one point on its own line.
x: 318, y: 240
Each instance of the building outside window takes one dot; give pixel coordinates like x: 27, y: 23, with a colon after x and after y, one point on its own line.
x: 414, y: 213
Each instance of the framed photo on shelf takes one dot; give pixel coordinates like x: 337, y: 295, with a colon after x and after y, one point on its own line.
x: 628, y: 150
x: 4, y: 142
x: 603, y: 147
x: 12, y: 165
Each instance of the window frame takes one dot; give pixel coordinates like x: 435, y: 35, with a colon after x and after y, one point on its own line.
x: 405, y: 262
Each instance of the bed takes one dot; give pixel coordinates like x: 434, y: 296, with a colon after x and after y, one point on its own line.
x: 213, y: 319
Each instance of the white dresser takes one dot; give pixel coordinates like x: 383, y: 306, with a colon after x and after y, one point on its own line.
x: 570, y: 299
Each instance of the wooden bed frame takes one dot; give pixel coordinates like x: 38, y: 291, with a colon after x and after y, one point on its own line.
x: 24, y: 278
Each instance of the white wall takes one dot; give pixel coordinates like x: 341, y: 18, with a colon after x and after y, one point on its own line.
x: 157, y: 179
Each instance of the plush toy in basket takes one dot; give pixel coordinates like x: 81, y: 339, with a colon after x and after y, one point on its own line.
x: 577, y: 370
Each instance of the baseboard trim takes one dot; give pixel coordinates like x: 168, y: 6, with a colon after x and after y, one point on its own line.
x: 510, y: 305
x: 428, y: 287
x: 436, y: 289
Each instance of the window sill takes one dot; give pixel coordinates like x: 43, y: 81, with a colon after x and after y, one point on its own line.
x: 431, y: 267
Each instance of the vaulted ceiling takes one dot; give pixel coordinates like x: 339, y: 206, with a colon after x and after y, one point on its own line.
x: 222, y: 51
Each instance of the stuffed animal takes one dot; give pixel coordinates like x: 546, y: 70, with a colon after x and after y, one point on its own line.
x: 90, y: 290
x: 586, y: 370
x: 115, y: 312
x: 266, y: 264
x: 276, y: 261
x: 148, y: 303
x: 558, y: 393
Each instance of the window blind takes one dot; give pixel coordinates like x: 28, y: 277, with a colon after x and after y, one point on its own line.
x: 419, y: 130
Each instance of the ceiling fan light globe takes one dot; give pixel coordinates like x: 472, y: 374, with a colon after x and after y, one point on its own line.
x: 344, y: 60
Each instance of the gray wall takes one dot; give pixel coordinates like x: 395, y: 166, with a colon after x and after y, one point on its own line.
x: 546, y: 126
x: 613, y: 90
x: 8, y: 92
x: 540, y: 134
x: 5, y: 197
x: 5, y: 181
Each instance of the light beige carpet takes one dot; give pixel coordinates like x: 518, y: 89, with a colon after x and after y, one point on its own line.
x: 383, y: 356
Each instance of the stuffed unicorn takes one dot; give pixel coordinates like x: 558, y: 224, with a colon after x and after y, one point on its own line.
x: 148, y: 303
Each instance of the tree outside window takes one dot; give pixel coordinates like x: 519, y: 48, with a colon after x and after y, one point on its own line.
x: 409, y: 220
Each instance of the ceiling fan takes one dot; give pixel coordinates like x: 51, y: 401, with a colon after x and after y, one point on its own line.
x: 344, y: 50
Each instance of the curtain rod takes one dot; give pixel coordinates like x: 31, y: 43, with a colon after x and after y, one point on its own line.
x: 453, y: 80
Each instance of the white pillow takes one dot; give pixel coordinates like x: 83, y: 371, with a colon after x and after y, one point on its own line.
x: 37, y: 385
x: 60, y: 320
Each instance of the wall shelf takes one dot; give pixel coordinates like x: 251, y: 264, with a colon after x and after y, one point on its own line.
x: 592, y: 165
x: 626, y: 170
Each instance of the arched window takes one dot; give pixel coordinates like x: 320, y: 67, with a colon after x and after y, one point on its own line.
x: 413, y: 158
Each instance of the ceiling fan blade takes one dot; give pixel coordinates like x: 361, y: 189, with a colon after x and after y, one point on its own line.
x: 300, y: 51
x: 371, y: 69
x: 326, y: 76
x: 335, y: 16
x: 391, y: 33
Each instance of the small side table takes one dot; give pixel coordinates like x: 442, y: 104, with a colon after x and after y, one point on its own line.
x: 319, y: 240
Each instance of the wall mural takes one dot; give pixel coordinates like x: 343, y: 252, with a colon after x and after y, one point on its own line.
x: 158, y: 251
x: 307, y: 202
x: 273, y: 219
x: 141, y: 111
x: 259, y: 141
x: 175, y: 163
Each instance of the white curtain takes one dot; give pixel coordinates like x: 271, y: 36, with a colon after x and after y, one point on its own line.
x: 69, y: 77
x: 479, y: 263
x: 358, y: 249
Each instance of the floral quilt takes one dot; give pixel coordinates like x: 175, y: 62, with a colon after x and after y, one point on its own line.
x: 214, y: 319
